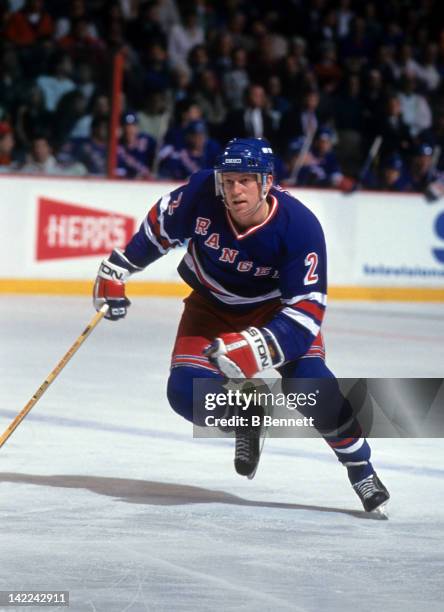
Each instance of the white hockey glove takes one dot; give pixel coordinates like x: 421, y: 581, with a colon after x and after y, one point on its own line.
x: 109, y: 288
x: 244, y: 354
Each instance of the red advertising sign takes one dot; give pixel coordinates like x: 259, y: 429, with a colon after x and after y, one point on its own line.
x: 68, y: 230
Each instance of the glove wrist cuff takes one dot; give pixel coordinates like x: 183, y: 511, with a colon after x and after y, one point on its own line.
x: 276, y: 353
x: 113, y: 272
x: 267, y: 352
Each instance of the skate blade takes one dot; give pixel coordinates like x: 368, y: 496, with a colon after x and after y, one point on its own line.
x: 253, y: 473
x: 381, y: 512
x: 261, y: 448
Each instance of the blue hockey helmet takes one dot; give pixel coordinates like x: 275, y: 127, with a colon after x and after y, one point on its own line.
x: 247, y: 155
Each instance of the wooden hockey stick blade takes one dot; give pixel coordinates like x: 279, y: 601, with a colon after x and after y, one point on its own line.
x: 55, y: 372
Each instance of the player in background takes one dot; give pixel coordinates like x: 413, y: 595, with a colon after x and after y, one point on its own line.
x: 256, y: 263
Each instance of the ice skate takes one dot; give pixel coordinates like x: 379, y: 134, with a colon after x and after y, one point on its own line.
x: 373, y: 494
x: 249, y: 443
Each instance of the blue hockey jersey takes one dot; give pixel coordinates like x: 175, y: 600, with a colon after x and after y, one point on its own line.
x: 282, y: 258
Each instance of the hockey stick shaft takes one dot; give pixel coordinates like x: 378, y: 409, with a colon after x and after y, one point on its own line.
x: 371, y: 155
x: 53, y: 375
x: 164, y: 123
x: 299, y: 162
x: 374, y: 150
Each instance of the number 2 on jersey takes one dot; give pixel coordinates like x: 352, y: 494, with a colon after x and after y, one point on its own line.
x: 311, y: 261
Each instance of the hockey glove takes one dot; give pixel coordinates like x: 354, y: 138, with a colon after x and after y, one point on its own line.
x: 244, y: 354
x: 109, y: 289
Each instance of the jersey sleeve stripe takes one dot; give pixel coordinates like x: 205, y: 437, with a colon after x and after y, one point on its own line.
x: 163, y: 205
x: 314, y: 296
x: 151, y: 237
x: 310, y: 308
x: 130, y: 264
x: 311, y: 354
x: 302, y: 319
x: 153, y: 220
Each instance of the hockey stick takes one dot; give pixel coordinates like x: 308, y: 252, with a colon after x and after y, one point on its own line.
x: 53, y: 375
x: 165, y: 120
x: 299, y: 162
x: 372, y: 153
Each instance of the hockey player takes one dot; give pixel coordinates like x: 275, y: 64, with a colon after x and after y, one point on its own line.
x: 256, y: 263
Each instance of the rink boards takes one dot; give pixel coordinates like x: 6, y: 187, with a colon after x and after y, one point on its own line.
x: 55, y: 231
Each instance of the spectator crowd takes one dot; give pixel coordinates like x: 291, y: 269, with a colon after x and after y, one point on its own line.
x: 325, y: 82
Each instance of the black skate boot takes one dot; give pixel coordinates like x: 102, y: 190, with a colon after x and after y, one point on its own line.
x: 249, y: 442
x: 372, y: 493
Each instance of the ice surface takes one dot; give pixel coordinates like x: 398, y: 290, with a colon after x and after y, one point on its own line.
x: 105, y: 493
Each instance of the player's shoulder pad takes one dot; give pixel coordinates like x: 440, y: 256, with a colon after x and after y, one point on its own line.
x: 203, y: 180
x: 199, y: 187
x: 299, y: 219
